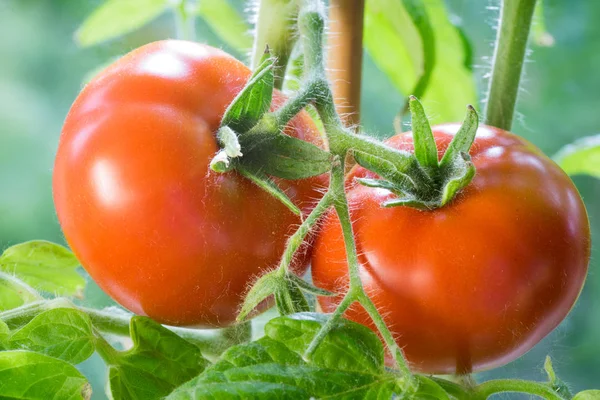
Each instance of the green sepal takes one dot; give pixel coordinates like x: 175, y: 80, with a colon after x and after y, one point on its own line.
x: 267, y: 184
x: 309, y: 288
x: 384, y: 169
x: 424, y: 142
x: 267, y: 285
x: 462, y: 141
x: 409, y: 201
x: 381, y: 184
x: 285, y: 289
x: 254, y: 100
x: 461, y: 175
x: 284, y: 156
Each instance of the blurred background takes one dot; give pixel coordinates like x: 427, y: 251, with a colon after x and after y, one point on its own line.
x: 42, y: 70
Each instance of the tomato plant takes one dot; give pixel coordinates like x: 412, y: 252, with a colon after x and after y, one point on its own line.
x: 192, y: 191
x: 133, y: 192
x: 475, y: 284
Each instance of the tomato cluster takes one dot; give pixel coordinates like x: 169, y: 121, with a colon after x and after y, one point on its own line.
x: 467, y: 286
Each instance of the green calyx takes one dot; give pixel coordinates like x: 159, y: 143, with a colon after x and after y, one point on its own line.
x: 428, y: 183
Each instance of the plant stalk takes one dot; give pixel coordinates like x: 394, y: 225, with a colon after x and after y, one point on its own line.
x: 275, y: 27
x: 511, y: 45
x: 211, y: 342
x: 344, y: 58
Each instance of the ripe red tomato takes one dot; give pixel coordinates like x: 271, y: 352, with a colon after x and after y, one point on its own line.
x: 477, y: 283
x: 155, y: 228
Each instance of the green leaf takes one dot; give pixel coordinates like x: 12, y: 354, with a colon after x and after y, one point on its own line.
x: 61, y: 333
x: 159, y: 361
x: 462, y: 141
x: 398, y: 25
x: 32, y: 376
x: 268, y: 369
x: 267, y: 184
x: 418, y: 14
x: 429, y: 390
x: 424, y: 142
x: 227, y: 23
x: 349, y: 346
x: 588, y: 395
x: 15, y: 293
x: 284, y: 156
x: 253, y: 101
x: 115, y: 18
x: 581, y: 157
x: 45, y: 266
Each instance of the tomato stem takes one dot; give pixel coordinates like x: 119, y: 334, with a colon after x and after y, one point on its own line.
x: 511, y: 45
x: 296, y: 240
x: 356, y: 290
x: 212, y: 342
x: 275, y: 27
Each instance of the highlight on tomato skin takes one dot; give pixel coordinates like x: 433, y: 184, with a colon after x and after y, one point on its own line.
x: 477, y: 283
x: 154, y: 227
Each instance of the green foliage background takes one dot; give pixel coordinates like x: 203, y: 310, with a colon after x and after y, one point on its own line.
x: 41, y: 72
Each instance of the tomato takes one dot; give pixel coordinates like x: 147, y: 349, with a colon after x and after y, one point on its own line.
x: 477, y: 283
x: 154, y: 227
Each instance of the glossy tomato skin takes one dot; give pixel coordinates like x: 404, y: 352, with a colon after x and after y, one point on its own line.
x: 477, y: 283
x: 156, y: 229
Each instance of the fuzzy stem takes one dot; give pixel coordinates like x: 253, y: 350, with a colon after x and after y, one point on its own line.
x: 275, y: 28
x: 511, y: 44
x: 346, y: 302
x: 344, y: 60
x: 296, y: 240
x: 212, y: 342
x: 486, y: 389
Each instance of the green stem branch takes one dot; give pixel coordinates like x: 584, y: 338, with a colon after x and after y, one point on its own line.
x: 511, y: 44
x: 296, y: 240
x: 212, y: 342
